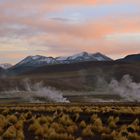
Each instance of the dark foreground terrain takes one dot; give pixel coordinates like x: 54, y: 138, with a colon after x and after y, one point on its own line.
x: 98, y: 121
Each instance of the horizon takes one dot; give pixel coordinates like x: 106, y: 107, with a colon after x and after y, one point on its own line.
x: 20, y: 59
x: 62, y: 28
x: 63, y: 56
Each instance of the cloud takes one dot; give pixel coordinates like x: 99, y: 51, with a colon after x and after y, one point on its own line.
x: 124, y: 37
x: 63, y: 27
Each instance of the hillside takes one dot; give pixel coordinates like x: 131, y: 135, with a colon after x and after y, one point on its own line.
x: 76, y: 76
x: 131, y: 58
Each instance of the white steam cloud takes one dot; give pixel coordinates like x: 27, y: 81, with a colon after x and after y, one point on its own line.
x: 126, y: 88
x: 37, y: 93
x: 51, y: 94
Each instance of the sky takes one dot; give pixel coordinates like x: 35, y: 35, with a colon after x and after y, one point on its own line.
x: 65, y: 27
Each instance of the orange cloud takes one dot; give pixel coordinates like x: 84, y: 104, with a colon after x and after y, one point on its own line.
x: 64, y: 38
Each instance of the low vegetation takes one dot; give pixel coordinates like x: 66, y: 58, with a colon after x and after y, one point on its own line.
x: 69, y: 122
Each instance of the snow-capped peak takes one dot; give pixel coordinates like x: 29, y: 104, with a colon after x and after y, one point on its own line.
x: 5, y: 65
x: 39, y: 60
x: 84, y: 56
x: 30, y: 58
x: 61, y: 58
x: 37, y: 57
x: 101, y: 57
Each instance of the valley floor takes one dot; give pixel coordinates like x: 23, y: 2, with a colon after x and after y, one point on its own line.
x: 65, y: 96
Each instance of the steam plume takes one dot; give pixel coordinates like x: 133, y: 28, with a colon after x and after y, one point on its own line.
x: 38, y: 93
x: 126, y: 88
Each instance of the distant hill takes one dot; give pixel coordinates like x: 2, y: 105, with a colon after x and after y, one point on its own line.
x: 1, y: 69
x: 110, y: 69
x: 2, y: 72
x: 76, y: 76
x: 131, y: 58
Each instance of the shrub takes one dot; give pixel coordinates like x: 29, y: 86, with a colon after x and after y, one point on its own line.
x: 10, y: 133
x: 66, y: 120
x: 43, y: 119
x: 76, y: 117
x: 34, y: 126
x: 87, y: 132
x: 1, y: 131
x: 79, y: 138
x: 58, y: 127
x: 20, y: 135
x: 94, y: 117
x: 75, y: 109
x: 39, y: 131
x: 112, y: 122
x: 133, y: 136
x: 12, y: 119
x: 3, y: 121
x: 106, y: 137
x: 83, y: 124
x: 19, y: 125
x: 112, y: 125
x: 72, y: 129
x: 5, y: 111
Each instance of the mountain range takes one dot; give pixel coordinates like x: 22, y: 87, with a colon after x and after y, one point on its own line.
x: 31, y: 62
x: 76, y: 72
x: 38, y: 60
x: 43, y: 60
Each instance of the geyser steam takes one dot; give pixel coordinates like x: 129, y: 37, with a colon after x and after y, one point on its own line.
x: 126, y: 88
x: 46, y: 92
x: 35, y: 92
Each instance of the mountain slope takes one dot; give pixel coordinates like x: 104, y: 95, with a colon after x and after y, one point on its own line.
x: 84, y: 56
x: 76, y: 76
x: 2, y: 72
x: 36, y: 61
x: 83, y: 75
x: 30, y: 63
x: 131, y: 58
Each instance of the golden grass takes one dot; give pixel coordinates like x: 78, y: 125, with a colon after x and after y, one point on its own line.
x: 69, y: 122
